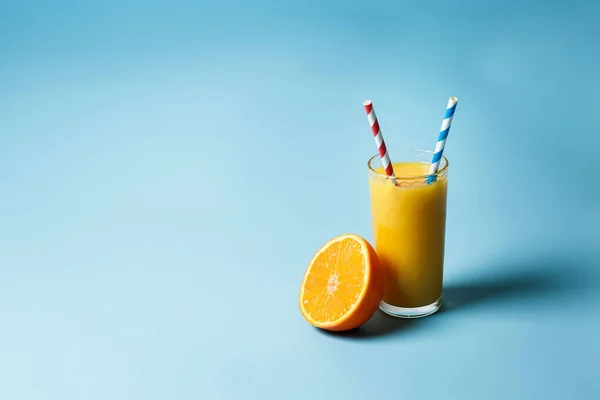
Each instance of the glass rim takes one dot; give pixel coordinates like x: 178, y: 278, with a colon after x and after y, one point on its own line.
x: 439, y: 171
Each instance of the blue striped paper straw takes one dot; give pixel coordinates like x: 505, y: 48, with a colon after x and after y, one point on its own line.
x: 439, y: 147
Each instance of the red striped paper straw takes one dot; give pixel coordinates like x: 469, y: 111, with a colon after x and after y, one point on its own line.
x: 383, y: 153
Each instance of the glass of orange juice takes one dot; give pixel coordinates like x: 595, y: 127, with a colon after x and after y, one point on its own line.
x: 409, y: 226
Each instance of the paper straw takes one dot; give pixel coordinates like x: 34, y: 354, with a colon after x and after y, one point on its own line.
x: 439, y: 147
x: 383, y: 153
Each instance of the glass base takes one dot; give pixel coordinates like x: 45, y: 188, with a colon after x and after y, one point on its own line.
x: 416, y: 312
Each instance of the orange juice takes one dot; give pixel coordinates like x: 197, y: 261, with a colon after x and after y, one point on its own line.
x: 409, y: 222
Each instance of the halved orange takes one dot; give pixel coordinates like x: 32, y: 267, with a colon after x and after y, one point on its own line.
x: 343, y: 284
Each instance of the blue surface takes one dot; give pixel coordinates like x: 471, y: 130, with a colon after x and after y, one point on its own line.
x: 161, y: 198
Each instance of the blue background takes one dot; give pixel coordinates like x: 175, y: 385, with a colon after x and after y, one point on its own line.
x: 169, y: 168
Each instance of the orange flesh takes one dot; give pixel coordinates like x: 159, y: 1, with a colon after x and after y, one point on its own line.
x: 335, y: 281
